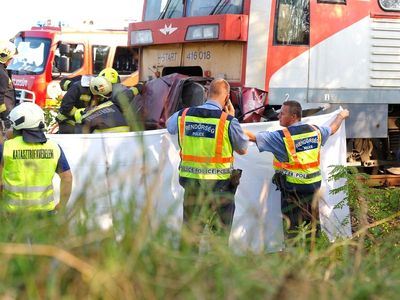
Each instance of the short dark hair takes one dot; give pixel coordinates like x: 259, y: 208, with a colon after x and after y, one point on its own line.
x: 294, y: 108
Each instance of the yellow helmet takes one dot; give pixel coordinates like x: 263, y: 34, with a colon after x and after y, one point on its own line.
x: 101, y: 86
x: 7, y: 51
x: 111, y: 74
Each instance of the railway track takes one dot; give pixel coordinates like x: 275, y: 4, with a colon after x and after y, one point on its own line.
x: 384, y: 180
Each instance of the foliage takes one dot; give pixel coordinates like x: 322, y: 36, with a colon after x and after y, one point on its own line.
x: 68, y: 256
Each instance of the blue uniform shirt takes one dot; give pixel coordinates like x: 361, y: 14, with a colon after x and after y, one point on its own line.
x: 273, y: 142
x: 238, y: 139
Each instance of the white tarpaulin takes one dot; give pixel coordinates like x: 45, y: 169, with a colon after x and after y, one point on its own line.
x: 112, y: 170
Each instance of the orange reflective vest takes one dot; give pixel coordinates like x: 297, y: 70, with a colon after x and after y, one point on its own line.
x: 303, y: 148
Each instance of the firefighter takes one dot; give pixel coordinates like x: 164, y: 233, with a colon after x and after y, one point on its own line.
x: 123, y: 96
x: 296, y: 149
x: 77, y: 98
x: 208, y: 134
x: 105, y: 115
x: 28, y: 164
x: 113, y: 76
x: 7, y: 92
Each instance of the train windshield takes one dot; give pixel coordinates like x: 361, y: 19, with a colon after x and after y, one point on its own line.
x: 32, y: 56
x: 167, y: 9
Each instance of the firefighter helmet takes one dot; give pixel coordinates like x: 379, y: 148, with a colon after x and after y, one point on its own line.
x: 27, y: 115
x: 111, y: 74
x: 101, y: 86
x: 7, y: 51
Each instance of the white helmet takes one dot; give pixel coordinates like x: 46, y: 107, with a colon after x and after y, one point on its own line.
x: 101, y: 86
x: 27, y: 115
x: 7, y: 51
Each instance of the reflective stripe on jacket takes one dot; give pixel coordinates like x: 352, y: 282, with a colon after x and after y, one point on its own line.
x: 28, y: 175
x: 303, y: 146
x: 206, y: 150
x: 106, y: 117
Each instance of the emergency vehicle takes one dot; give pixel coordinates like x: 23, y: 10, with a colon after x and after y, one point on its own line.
x: 48, y: 54
x: 323, y: 53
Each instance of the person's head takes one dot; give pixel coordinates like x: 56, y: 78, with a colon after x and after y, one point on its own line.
x: 7, y: 52
x: 290, y: 113
x: 101, y: 86
x: 219, y: 91
x: 111, y: 74
x: 27, y: 119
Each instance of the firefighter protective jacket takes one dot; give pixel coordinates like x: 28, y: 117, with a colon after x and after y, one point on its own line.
x: 105, y: 117
x: 76, y: 97
x: 7, y: 92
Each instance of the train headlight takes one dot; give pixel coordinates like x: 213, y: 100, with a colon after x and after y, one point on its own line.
x: 202, y: 32
x: 141, y: 37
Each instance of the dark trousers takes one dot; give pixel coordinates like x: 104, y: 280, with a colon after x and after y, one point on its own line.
x: 296, y: 202
x: 297, y: 207
x: 208, y: 203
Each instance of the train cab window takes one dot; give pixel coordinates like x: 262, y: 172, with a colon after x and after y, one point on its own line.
x: 163, y: 9
x: 213, y: 7
x: 390, y: 5
x: 292, y: 22
x: 100, y: 55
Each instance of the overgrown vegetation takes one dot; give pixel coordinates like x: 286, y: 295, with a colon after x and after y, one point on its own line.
x: 60, y: 257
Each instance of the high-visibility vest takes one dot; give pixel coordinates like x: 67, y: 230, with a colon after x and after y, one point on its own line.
x: 28, y: 172
x: 206, y: 150
x: 303, y: 146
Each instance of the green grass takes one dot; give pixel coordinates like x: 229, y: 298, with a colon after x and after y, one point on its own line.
x: 66, y: 258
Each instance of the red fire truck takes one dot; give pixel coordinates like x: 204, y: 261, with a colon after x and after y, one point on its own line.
x: 323, y: 53
x: 48, y: 54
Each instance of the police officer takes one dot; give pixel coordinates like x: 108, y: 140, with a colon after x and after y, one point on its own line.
x: 105, y: 115
x: 296, y: 149
x: 7, y: 92
x: 208, y: 135
x: 29, y: 162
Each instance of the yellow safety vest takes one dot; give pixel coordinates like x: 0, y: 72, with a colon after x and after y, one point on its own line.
x: 28, y: 171
x: 206, y: 151
x: 303, y: 151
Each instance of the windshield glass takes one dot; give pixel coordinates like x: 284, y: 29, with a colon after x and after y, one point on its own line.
x: 213, y: 7
x: 167, y: 9
x: 32, y: 56
x: 163, y: 9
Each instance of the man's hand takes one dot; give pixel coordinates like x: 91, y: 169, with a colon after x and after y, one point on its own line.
x: 229, y: 109
x: 344, y: 113
x: 338, y: 120
x: 251, y: 136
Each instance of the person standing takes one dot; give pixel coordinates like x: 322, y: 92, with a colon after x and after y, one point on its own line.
x: 7, y: 92
x: 29, y: 162
x: 296, y: 149
x: 208, y: 135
